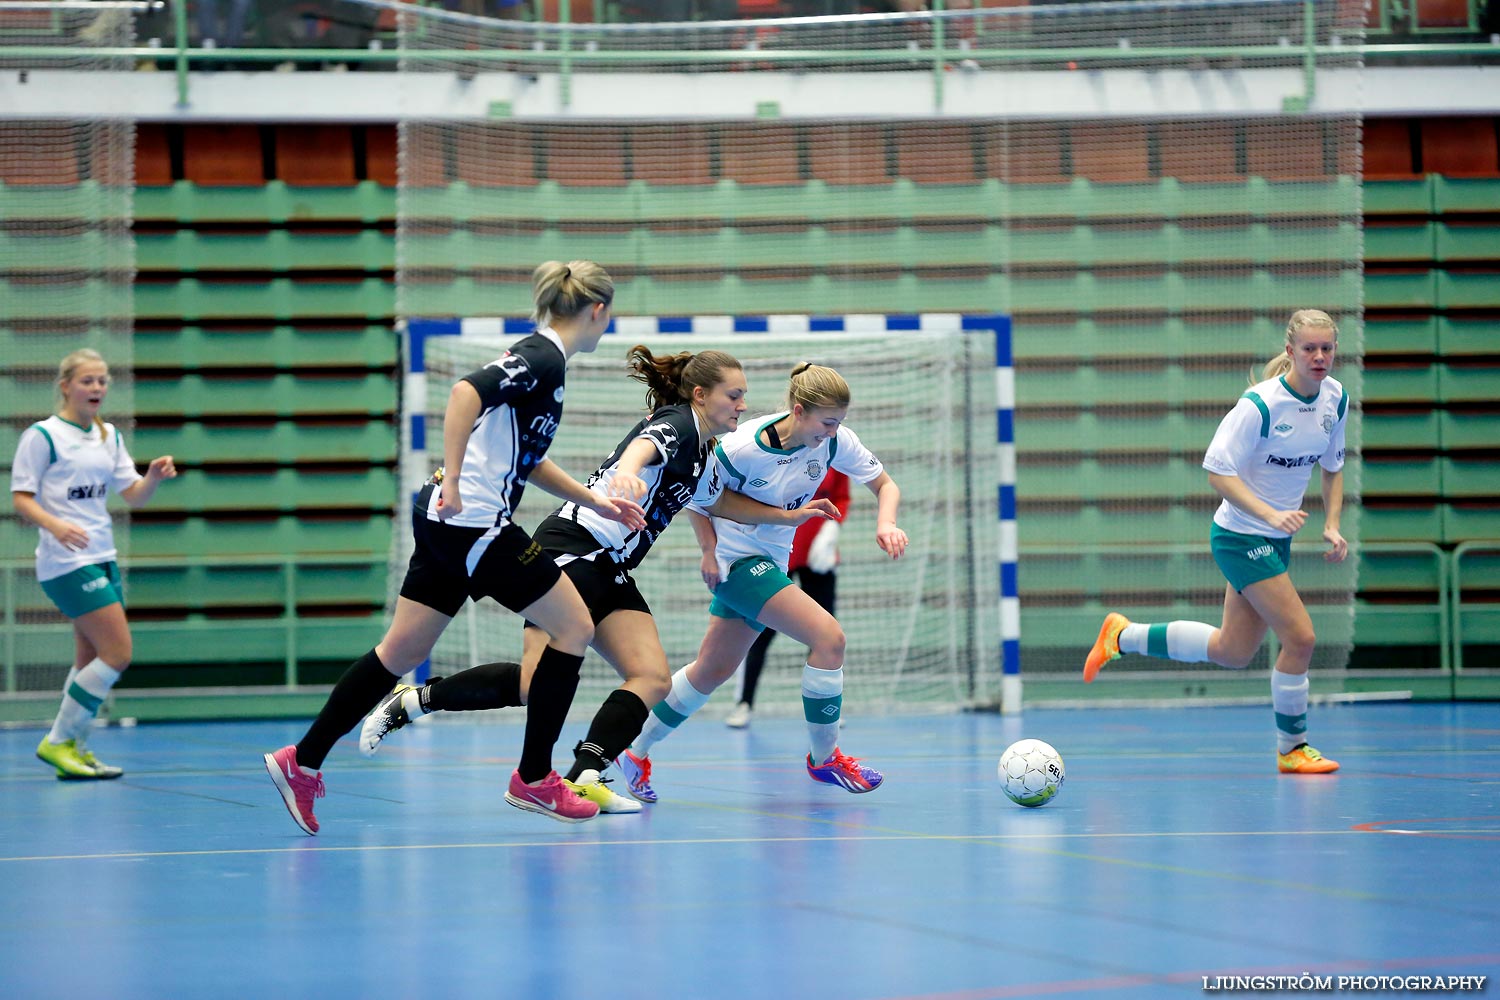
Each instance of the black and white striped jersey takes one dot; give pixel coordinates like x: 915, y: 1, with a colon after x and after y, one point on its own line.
x: 671, y: 478
x: 521, y: 397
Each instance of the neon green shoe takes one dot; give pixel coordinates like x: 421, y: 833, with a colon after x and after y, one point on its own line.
x: 596, y: 789
x: 102, y: 771
x: 64, y: 757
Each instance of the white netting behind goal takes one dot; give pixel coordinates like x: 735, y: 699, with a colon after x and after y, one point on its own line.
x: 922, y: 632
x: 67, y: 264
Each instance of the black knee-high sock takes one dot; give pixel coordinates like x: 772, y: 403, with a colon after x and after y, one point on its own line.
x: 353, y: 697
x: 618, y: 721
x: 489, y: 685
x: 755, y: 661
x: 552, y: 688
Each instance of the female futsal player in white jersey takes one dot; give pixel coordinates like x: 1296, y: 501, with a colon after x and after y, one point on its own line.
x: 496, y: 430
x: 778, y: 460
x: 692, y: 398
x: 1260, y: 462
x: 65, y: 467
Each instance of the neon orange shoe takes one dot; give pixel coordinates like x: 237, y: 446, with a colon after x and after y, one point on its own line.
x: 1305, y: 760
x: 1106, y: 647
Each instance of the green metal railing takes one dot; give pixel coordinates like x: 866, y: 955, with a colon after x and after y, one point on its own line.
x: 282, y: 617
x: 561, y: 52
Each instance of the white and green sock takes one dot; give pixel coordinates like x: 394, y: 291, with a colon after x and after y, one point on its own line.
x: 680, y: 703
x: 822, y: 701
x: 1289, y: 700
x: 1185, y: 642
x: 83, y: 693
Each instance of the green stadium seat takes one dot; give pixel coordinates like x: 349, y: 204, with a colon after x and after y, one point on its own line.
x: 1399, y: 197
x: 1396, y: 572
x: 1401, y: 335
x: 201, y: 491
x: 159, y: 586
x: 34, y: 250
x: 1401, y: 429
x: 1407, y: 288
x: 284, y: 442
x: 1467, y: 241
x: 1461, y: 335
x: 1451, y: 195
x: 274, y: 251
x: 207, y: 536
x: 1462, y: 430
x: 195, y: 348
x: 1465, y: 290
x: 1468, y: 383
x: 1400, y: 383
x: 280, y: 395
x: 1401, y: 241
x: 273, y: 203
x: 1410, y: 521
x: 1465, y: 521
x: 190, y: 299
x: 1470, y: 477
x: 1385, y: 477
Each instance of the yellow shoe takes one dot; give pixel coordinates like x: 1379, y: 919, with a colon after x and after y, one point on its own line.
x: 594, y: 788
x: 1106, y: 647
x: 1305, y: 760
x: 64, y: 757
x: 102, y: 771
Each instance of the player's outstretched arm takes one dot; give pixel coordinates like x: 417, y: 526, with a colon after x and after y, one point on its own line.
x: 550, y: 477
x: 891, y: 539
x: 738, y: 507
x: 140, y: 492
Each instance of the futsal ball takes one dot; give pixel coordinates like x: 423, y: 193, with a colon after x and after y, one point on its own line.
x: 1031, y: 772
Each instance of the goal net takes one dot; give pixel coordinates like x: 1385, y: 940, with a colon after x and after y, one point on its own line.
x: 67, y: 263
x: 1149, y: 189
x: 923, y: 632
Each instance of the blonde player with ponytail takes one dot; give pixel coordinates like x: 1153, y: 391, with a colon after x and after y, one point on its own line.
x: 1260, y: 462
x: 778, y: 460
x: 65, y: 467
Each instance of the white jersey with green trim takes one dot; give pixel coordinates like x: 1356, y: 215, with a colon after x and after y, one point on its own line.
x: 71, y: 470
x: 1271, y: 440
x: 778, y: 477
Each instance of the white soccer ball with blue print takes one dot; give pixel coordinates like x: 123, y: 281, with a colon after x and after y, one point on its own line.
x: 1031, y: 772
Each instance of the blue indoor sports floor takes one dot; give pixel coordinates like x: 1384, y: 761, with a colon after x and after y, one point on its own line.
x: 1174, y: 852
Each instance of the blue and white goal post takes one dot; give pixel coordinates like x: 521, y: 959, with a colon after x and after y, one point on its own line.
x: 919, y: 389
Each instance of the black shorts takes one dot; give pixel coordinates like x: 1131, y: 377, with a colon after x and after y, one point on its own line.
x: 453, y: 563
x: 605, y: 585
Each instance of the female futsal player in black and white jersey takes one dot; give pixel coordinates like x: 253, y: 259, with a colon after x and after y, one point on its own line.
x: 496, y: 430
x: 693, y: 398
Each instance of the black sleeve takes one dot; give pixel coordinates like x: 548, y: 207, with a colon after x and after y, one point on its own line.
x: 503, y: 380
x: 669, y: 428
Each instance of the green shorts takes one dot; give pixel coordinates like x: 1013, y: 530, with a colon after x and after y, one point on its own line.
x: 1247, y: 559
x: 87, y: 588
x: 752, y: 581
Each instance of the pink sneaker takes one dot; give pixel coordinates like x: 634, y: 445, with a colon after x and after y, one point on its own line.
x: 297, y: 789
x: 551, y: 797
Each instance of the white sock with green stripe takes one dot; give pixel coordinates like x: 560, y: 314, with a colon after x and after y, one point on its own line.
x: 681, y: 702
x: 85, y: 691
x: 1289, y: 700
x: 1185, y: 642
x: 822, y: 700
